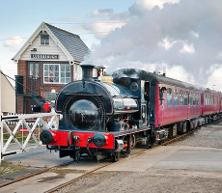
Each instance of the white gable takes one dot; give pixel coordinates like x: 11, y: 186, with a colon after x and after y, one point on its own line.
x: 51, y: 49
x: 43, y: 51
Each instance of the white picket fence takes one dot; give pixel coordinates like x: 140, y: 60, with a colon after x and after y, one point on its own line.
x: 21, y: 132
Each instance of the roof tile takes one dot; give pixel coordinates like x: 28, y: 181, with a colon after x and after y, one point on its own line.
x: 72, y: 42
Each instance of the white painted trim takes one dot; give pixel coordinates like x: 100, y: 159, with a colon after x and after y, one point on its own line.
x: 58, y: 64
x: 34, y: 35
x: 28, y: 42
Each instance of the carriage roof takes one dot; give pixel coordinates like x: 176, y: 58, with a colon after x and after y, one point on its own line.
x: 152, y: 77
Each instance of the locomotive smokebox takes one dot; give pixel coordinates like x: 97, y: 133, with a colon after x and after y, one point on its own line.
x: 87, y: 71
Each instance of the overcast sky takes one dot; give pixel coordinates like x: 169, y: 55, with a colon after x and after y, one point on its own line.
x: 181, y: 37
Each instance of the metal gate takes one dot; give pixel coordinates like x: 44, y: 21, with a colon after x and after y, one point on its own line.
x: 22, y: 132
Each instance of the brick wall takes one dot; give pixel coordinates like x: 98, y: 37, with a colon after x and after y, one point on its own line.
x: 23, y: 102
x: 19, y: 104
x: 22, y: 69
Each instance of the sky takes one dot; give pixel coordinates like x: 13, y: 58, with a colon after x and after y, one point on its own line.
x: 180, y: 37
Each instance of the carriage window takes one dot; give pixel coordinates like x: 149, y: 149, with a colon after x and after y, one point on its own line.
x: 185, y: 99
x: 175, y: 99
x: 208, y: 100
x: 196, y: 100
x: 181, y: 99
x: 191, y: 99
x: 169, y: 96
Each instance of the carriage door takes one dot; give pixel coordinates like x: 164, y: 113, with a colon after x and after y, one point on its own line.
x: 145, y: 102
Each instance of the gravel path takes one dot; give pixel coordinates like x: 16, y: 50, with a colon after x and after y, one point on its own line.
x: 193, y: 165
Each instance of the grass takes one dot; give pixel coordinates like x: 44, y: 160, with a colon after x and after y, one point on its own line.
x: 7, y: 168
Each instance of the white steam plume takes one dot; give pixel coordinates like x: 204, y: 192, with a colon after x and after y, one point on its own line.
x: 185, y: 33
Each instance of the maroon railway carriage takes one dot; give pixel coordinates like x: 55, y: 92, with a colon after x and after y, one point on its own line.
x: 173, y: 106
x: 103, y: 119
x: 211, y: 105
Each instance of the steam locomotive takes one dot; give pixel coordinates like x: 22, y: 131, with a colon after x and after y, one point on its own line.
x: 105, y: 119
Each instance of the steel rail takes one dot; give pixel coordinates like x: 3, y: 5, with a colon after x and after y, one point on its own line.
x: 34, y: 174
x: 63, y: 185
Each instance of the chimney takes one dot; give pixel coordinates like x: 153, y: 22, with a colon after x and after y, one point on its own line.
x: 87, y: 71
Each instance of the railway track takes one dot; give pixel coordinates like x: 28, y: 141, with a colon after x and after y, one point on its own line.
x: 61, y: 186
x: 35, y: 174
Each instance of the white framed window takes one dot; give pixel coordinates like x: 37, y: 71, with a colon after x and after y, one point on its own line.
x: 56, y: 73
x: 34, y: 69
x: 44, y: 39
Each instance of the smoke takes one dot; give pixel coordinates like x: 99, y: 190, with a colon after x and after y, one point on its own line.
x: 184, y: 35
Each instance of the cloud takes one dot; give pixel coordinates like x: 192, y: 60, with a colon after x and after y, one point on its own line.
x: 13, y: 41
x: 187, y: 49
x: 182, y: 33
x: 194, y: 34
x: 105, y: 21
x: 166, y: 43
x: 178, y: 72
x: 214, y: 81
x: 103, y: 13
x: 103, y: 28
x: 150, y: 4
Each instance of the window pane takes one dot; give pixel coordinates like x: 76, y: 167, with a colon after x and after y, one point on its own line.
x: 63, y: 67
x: 51, y: 73
x: 44, y: 39
x: 65, y: 74
x: 62, y: 74
x: 68, y: 67
x: 56, y: 79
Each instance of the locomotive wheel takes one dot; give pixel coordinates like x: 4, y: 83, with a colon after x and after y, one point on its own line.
x: 115, y: 156
x: 131, y: 143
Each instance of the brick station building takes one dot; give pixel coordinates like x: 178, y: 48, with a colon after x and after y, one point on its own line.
x: 47, y: 61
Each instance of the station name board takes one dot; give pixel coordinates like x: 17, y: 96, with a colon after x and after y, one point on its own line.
x: 45, y: 56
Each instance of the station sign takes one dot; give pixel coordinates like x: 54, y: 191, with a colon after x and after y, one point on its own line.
x: 45, y: 56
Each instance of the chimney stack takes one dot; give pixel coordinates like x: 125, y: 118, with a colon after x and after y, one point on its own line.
x: 87, y: 71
